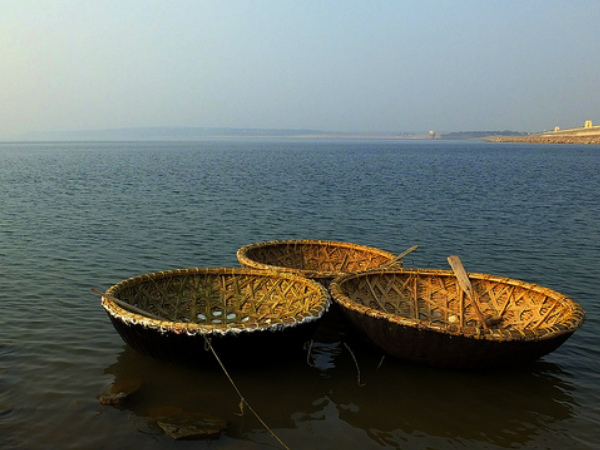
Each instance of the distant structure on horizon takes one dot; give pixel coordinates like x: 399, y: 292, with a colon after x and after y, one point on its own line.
x: 432, y: 134
x: 587, y: 129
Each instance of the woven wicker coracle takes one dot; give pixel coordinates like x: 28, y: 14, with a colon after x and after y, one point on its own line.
x: 248, y: 315
x: 319, y: 260
x: 425, y: 316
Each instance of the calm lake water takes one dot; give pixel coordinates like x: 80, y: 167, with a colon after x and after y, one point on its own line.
x: 75, y: 216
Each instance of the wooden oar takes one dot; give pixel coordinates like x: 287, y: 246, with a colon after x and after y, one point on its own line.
x: 127, y: 306
x: 465, y: 284
x: 397, y: 258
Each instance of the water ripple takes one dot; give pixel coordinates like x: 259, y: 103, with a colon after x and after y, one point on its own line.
x: 79, y: 215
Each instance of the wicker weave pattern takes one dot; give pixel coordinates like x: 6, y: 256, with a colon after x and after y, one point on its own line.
x: 514, y: 310
x: 218, y: 300
x: 313, y: 259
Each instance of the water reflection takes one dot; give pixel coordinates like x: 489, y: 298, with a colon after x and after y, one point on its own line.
x: 275, y: 392
x: 505, y: 408
x: 390, y: 401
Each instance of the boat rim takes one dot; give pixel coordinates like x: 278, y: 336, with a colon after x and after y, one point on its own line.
x: 169, y: 326
x: 243, y: 258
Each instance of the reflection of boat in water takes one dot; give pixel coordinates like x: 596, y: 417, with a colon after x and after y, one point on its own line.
x: 396, y: 402
x: 440, y: 318
x: 278, y: 394
x: 399, y: 402
x: 246, y: 315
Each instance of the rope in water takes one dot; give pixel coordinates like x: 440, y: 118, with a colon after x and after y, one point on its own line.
x: 358, y: 381
x: 243, y: 401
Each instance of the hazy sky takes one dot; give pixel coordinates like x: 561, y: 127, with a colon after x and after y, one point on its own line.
x: 348, y: 65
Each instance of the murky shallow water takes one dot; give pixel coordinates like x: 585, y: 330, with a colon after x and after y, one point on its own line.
x: 80, y: 215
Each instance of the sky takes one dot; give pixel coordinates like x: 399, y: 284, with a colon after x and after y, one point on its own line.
x: 345, y: 66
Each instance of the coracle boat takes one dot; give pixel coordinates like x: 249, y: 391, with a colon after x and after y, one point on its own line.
x: 321, y: 261
x: 241, y: 315
x: 450, y: 319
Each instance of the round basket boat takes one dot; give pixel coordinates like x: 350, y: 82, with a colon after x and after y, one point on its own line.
x: 245, y: 315
x: 321, y: 261
x: 425, y: 316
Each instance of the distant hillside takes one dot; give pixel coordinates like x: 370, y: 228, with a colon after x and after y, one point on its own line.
x: 163, y: 133
x: 462, y: 135
x: 199, y: 133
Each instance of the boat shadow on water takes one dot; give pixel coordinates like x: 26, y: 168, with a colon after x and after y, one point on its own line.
x: 346, y: 381
x: 155, y: 389
x: 398, y: 400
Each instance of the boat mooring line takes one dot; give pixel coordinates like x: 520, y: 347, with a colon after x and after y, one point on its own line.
x: 360, y: 383
x: 243, y: 401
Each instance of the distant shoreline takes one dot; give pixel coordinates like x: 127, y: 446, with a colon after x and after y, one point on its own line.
x: 547, y: 139
x: 197, y: 133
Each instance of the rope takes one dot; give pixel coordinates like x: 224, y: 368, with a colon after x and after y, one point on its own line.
x: 360, y: 383
x: 242, y: 399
